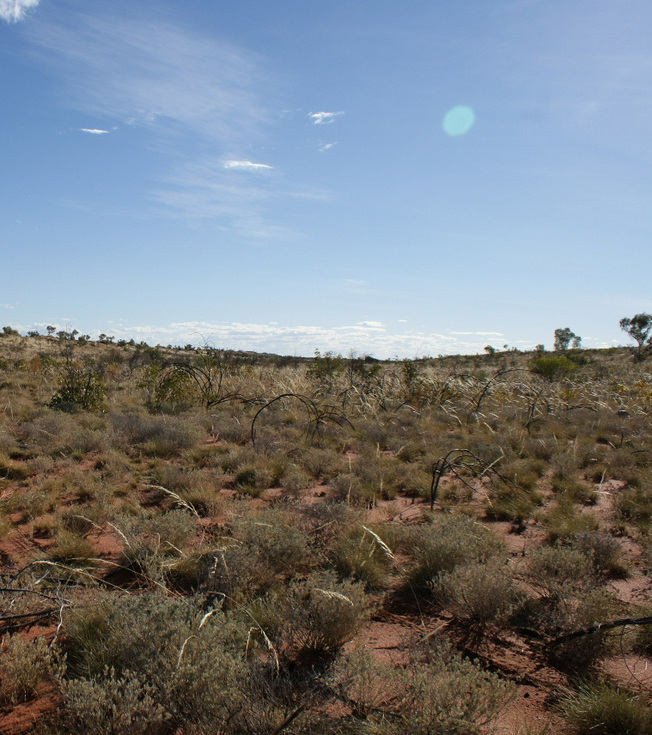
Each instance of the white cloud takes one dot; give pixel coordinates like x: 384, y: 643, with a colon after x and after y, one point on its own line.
x: 14, y: 10
x: 480, y: 334
x: 246, y: 166
x: 324, y: 118
x: 93, y: 131
x: 370, y: 338
x: 327, y: 147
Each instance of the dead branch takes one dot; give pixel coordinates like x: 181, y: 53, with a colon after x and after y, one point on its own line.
x: 600, y: 627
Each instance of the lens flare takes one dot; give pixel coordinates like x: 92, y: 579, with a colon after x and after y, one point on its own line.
x: 459, y: 120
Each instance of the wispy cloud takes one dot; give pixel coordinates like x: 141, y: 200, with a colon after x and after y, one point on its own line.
x: 188, y: 90
x: 324, y: 118
x: 14, y: 10
x: 93, y: 131
x: 155, y: 73
x: 209, y: 190
x: 327, y: 147
x: 246, y: 166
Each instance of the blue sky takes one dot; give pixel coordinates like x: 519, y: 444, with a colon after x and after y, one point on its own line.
x: 396, y: 178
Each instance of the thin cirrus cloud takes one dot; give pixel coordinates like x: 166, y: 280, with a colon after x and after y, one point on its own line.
x: 154, y: 73
x: 14, y: 10
x: 324, y: 118
x: 183, y: 87
x: 93, y: 131
x: 208, y: 190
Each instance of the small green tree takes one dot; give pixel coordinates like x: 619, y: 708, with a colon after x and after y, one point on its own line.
x: 638, y: 328
x: 565, y: 338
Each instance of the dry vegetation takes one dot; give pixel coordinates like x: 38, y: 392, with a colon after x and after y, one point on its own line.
x: 211, y: 542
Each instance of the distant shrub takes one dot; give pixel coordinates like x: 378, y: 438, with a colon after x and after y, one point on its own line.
x: 157, y: 435
x: 82, y: 387
x: 553, y: 368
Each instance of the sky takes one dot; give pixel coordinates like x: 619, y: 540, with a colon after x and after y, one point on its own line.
x: 397, y: 178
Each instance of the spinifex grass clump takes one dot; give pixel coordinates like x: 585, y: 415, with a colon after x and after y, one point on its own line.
x: 599, y: 709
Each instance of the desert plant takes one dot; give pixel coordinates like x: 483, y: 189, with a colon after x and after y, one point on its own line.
x: 638, y: 328
x: 361, y: 553
x: 598, y: 709
x: 320, y: 614
x: 478, y: 593
x: 82, y: 386
x: 446, y: 542
x: 553, y: 368
x: 25, y: 664
x: 112, y: 705
x: 442, y: 695
x: 604, y: 551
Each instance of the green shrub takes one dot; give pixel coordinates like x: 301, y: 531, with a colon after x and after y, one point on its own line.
x: 478, y: 593
x: 635, y: 506
x: 111, y: 705
x: 448, y: 541
x: 598, y: 709
x: 443, y: 695
x: 71, y: 549
x: 82, y: 387
x: 25, y: 665
x: 319, y: 615
x: 554, y: 570
x: 553, y: 368
x: 570, y: 602
x: 604, y: 551
x: 186, y: 660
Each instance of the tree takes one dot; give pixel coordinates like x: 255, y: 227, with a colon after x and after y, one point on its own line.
x: 565, y: 338
x: 638, y: 328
